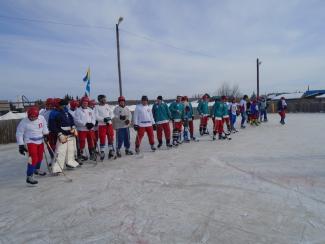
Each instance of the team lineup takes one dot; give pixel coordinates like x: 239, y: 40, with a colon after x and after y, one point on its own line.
x: 65, y: 127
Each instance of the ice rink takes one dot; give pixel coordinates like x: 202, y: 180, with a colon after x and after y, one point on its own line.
x: 266, y: 185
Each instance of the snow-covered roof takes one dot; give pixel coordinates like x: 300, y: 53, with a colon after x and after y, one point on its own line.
x: 321, y: 96
x: 288, y: 96
x: 10, y: 115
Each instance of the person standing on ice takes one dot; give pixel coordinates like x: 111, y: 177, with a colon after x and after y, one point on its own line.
x: 263, y: 109
x: 66, y: 130
x: 31, y: 131
x: 203, y: 110
x: 217, y: 113
x: 48, y: 109
x: 177, y: 112
x: 282, y: 106
x: 225, y: 116
x: 52, y: 135
x: 85, y: 122
x: 233, y: 114
x: 188, y: 114
x: 121, y: 123
x: 104, y: 115
x: 243, y: 106
x: 144, y: 122
x: 162, y: 116
x: 74, y: 104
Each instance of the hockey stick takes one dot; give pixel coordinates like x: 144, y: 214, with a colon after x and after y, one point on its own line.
x: 55, y: 158
x: 47, y: 163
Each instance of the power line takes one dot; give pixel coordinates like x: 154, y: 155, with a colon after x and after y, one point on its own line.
x: 56, y: 23
x: 143, y: 37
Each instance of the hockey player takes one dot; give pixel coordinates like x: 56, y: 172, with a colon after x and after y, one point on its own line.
x: 161, y: 115
x: 177, y: 113
x: 104, y: 115
x: 188, y: 112
x: 263, y: 109
x: 203, y: 110
x: 233, y: 114
x: 31, y: 131
x: 282, y: 106
x: 48, y: 109
x: 217, y: 114
x: 254, y: 113
x: 74, y: 104
x: 85, y: 122
x: 52, y: 135
x: 243, y: 106
x: 121, y: 122
x: 65, y: 129
x: 225, y: 116
x: 143, y: 122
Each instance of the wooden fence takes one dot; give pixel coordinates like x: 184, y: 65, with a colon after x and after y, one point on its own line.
x: 8, y: 130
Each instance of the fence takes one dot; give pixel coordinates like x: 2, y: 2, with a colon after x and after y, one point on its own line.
x: 8, y: 130
x: 301, y: 106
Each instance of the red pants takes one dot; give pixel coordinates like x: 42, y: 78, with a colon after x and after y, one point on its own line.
x: 163, y: 127
x: 178, y: 126
x: 191, y: 126
x: 204, y: 121
x: 140, y: 134
x: 282, y: 114
x: 226, y: 120
x: 218, y: 126
x: 90, y: 136
x: 35, y: 151
x: 52, y: 140
x: 106, y: 131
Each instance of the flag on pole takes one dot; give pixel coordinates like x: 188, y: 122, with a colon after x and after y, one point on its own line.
x: 87, y: 79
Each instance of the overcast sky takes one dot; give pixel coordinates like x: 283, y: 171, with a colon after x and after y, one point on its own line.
x: 217, y: 41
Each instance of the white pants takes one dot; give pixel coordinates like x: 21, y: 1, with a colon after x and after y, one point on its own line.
x: 65, y: 155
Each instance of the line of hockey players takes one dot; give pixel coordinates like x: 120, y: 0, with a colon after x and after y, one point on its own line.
x: 64, y: 127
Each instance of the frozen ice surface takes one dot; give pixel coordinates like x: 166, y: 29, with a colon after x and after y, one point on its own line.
x: 267, y: 185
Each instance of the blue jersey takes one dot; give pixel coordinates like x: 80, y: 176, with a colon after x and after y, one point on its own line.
x: 63, y: 122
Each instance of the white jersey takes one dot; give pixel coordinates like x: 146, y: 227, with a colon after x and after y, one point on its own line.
x: 31, y: 131
x: 243, y: 105
x: 103, y: 111
x: 73, y: 113
x: 233, y: 108
x: 46, y: 114
x: 143, y: 116
x: 84, y: 116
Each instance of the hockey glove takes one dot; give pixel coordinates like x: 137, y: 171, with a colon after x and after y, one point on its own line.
x: 74, y: 132
x: 89, y: 126
x: 122, y: 117
x: 107, y: 120
x: 154, y: 126
x: 62, y: 138
x: 127, y: 122
x: 136, y: 127
x: 22, y: 149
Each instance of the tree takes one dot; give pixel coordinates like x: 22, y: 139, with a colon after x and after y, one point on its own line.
x: 226, y: 90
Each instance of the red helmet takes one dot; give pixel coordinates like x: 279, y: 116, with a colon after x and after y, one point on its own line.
x: 84, y: 99
x: 49, y: 102
x: 32, y: 112
x: 205, y: 96
x: 121, y: 98
x: 56, y: 102
x: 74, y: 104
x: 92, y: 102
x: 184, y: 98
x: 223, y: 97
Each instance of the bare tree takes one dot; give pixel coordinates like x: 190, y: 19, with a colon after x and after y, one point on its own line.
x: 226, y: 90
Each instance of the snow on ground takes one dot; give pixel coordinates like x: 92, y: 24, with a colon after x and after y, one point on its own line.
x: 289, y: 96
x: 267, y: 185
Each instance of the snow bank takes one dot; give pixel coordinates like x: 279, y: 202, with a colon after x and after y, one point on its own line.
x: 321, y: 96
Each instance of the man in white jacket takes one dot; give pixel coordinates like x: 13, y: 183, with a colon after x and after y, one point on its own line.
x: 104, y: 115
x: 85, y: 122
x: 144, y: 122
x: 31, y: 131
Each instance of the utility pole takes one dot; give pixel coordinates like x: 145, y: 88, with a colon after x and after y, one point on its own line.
x: 258, y: 63
x: 118, y: 54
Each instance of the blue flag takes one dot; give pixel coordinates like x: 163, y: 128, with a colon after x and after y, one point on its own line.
x: 87, y: 79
